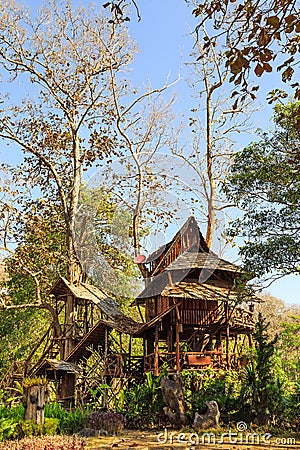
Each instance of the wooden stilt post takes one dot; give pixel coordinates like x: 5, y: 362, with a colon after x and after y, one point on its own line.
x: 236, y: 338
x: 250, y: 340
x: 156, y: 355
x: 68, y: 380
x: 227, y: 335
x: 177, y: 347
x: 129, y: 355
x: 227, y: 347
x: 178, y: 328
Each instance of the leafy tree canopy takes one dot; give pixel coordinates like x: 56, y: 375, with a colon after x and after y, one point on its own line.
x: 254, y: 32
x: 265, y: 182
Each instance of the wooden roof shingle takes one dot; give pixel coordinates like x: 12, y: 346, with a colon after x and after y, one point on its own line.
x: 196, y: 260
x: 98, y: 297
x: 207, y: 292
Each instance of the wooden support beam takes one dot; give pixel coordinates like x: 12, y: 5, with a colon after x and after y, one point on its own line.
x: 227, y: 335
x: 129, y: 354
x: 250, y: 340
x: 177, y: 344
x: 140, y: 313
x: 170, y: 279
x: 156, y: 354
x: 105, y: 342
x: 69, y: 326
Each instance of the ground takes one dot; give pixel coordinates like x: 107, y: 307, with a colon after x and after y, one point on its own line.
x: 162, y: 440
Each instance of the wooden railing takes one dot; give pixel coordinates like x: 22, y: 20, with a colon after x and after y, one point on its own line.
x: 241, y: 316
x: 154, y: 362
x: 120, y: 364
x: 14, y: 373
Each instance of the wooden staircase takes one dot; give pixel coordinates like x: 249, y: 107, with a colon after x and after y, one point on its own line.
x: 13, y: 374
x: 88, y: 342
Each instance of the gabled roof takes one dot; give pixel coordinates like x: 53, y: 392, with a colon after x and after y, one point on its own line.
x: 196, y: 260
x: 190, y: 227
x: 153, y: 289
x: 63, y: 287
x: 194, y: 254
x: 55, y: 365
x: 182, y: 289
x: 98, y: 297
x: 207, y: 292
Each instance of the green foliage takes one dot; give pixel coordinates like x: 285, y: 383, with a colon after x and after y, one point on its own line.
x: 263, y: 381
x: 10, y: 416
x: 265, y: 182
x: 8, y: 428
x: 12, y: 427
x: 18, y: 333
x: 289, y: 344
x: 11, y: 406
x: 107, y: 244
x: 70, y: 422
x: 27, y: 428
x: 143, y: 403
x: 50, y: 425
x: 223, y: 386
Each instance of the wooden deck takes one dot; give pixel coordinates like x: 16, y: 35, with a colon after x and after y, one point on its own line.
x: 155, y: 362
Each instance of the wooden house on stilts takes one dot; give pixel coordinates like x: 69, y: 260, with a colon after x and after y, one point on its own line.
x: 198, y: 313
x: 196, y: 306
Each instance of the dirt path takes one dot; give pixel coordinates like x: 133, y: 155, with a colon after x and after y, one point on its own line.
x: 139, y: 440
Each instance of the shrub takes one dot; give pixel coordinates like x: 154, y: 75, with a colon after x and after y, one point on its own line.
x: 51, y: 425
x: 143, y: 403
x: 8, y: 428
x: 113, y: 423
x: 70, y: 422
x: 27, y: 428
x: 224, y: 387
x: 46, y: 443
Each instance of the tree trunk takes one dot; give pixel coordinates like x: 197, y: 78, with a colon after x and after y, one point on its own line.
x: 35, y: 400
x: 211, y: 177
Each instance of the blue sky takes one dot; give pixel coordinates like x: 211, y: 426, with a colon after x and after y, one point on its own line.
x: 165, y: 45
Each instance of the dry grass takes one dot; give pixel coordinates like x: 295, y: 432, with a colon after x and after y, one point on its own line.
x: 149, y: 441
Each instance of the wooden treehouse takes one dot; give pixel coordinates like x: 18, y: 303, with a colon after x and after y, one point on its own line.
x: 88, y: 318
x: 197, y: 314
x: 196, y: 307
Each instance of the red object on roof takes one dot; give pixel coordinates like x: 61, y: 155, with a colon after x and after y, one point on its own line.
x: 139, y: 259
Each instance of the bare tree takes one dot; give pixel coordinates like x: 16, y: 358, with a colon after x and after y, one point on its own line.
x: 64, y: 127
x: 81, y: 112
x: 144, y: 128
x: 214, y: 122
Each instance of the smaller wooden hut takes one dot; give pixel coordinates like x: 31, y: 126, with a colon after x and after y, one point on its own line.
x: 88, y: 317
